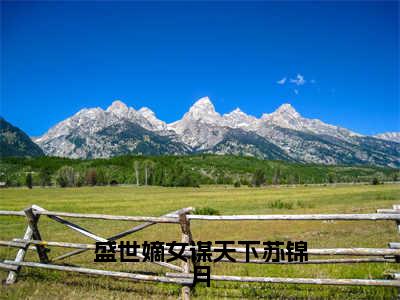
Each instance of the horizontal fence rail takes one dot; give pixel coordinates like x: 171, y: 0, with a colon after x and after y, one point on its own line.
x: 98, y: 216
x: 360, y: 282
x: 391, y: 215
x: 12, y: 213
x: 350, y: 217
x: 137, y: 277
x: 32, y: 240
x: 18, y: 243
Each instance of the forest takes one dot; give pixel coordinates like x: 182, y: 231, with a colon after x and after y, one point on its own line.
x: 173, y: 171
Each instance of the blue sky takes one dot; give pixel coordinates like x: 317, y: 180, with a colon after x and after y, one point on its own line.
x: 58, y: 57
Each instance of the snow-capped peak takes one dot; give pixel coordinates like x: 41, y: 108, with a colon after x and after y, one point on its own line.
x: 203, y: 101
x: 197, y: 124
x: 145, y: 111
x: 389, y: 136
x: 203, y: 110
x: 119, y: 108
x: 150, y: 116
x: 285, y: 116
x: 89, y: 112
x: 237, y: 118
x: 287, y: 109
x: 203, y: 104
x: 236, y: 111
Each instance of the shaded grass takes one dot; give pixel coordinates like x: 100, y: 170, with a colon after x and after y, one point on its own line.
x: 279, y: 204
x: 155, y: 201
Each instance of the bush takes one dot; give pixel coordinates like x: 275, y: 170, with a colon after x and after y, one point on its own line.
x: 244, y: 181
x: 258, y: 177
x: 182, y: 178
x: 206, y: 211
x: 278, y: 204
x: 91, y: 177
x: 45, y: 177
x: 236, y: 184
x: 375, y: 181
x: 395, y: 177
x: 303, y: 204
x: 65, y: 176
x: 102, y: 177
x: 79, y: 179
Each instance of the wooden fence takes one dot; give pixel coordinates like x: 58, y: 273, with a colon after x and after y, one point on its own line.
x: 182, y: 274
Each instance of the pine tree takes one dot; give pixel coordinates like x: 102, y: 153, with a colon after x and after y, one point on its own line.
x: 28, y: 180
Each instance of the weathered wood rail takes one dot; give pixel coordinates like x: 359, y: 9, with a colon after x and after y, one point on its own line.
x: 32, y: 240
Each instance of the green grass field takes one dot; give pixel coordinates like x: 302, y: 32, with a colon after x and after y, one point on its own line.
x: 155, y: 201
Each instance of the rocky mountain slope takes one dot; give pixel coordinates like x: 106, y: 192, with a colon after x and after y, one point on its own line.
x: 283, y: 134
x: 14, y: 142
x: 389, y: 136
x: 97, y: 133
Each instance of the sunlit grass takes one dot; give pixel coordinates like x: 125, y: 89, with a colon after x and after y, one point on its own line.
x: 155, y: 201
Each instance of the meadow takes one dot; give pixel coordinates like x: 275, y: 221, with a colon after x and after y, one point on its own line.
x: 155, y: 201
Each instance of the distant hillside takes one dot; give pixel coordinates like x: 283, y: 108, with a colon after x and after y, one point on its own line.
x: 15, y: 142
x: 190, y: 170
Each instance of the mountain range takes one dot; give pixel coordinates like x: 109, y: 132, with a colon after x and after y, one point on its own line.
x: 283, y: 135
x: 15, y: 142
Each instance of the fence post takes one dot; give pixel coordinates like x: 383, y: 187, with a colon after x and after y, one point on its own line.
x: 397, y: 207
x: 12, y: 275
x: 397, y: 258
x: 32, y: 222
x: 186, y: 238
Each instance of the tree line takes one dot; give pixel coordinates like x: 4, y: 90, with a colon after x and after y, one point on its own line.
x: 175, y: 171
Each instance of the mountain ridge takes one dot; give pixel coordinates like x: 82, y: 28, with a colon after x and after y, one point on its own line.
x: 203, y: 129
x: 389, y: 136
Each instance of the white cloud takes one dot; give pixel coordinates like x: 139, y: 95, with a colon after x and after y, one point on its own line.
x: 299, y: 80
x: 295, y: 84
x: 282, y: 81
